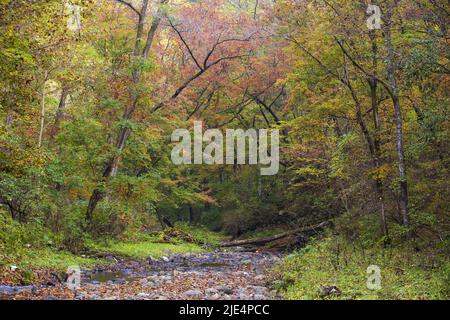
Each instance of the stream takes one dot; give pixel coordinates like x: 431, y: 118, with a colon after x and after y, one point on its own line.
x: 220, y: 275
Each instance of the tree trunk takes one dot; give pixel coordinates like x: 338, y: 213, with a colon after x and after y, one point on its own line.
x: 124, y: 133
x: 311, y: 230
x: 191, y: 215
x: 373, y: 83
x: 59, y: 112
x: 42, y: 122
x: 391, y: 69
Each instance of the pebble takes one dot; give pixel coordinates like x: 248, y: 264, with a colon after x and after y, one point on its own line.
x: 193, y: 294
x: 211, y: 291
x: 224, y: 289
x: 7, y: 290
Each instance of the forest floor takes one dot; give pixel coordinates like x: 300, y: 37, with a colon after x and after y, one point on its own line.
x: 218, y: 275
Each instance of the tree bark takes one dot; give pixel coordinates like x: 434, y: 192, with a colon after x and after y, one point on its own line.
x: 59, y: 112
x: 391, y: 69
x: 42, y: 120
x: 373, y: 83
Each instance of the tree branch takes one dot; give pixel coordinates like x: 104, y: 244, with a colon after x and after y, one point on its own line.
x: 185, y: 44
x: 129, y: 5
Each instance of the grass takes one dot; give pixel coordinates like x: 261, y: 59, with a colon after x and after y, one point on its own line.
x: 333, y: 261
x: 33, y: 263
x: 141, y: 250
x: 202, y: 234
x: 50, y: 259
x: 263, y: 233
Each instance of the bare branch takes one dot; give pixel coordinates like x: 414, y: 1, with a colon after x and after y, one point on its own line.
x: 185, y: 44
x: 129, y: 5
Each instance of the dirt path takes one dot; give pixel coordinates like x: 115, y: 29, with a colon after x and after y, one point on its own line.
x: 208, y: 276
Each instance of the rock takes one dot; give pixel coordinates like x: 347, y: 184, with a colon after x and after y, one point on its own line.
x: 120, y: 281
x: 80, y: 296
x: 211, y: 291
x: 164, y: 278
x: 326, y: 291
x: 144, y: 295
x: 111, y: 259
x: 28, y: 289
x: 246, y: 262
x: 7, y: 290
x: 224, y: 289
x: 13, y: 268
x: 260, y: 297
x: 260, y: 277
x: 177, y: 273
x: 165, y: 259
x: 257, y: 289
x: 95, y: 283
x: 193, y: 294
x: 150, y: 284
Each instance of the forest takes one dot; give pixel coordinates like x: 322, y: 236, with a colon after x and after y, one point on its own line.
x: 92, y: 91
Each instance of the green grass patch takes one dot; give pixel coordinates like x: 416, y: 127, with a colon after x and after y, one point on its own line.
x: 51, y: 259
x: 333, y: 261
x: 262, y: 233
x: 203, y: 234
x: 142, y: 250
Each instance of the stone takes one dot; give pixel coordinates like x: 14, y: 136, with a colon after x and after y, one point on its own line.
x: 246, y: 262
x: 326, y: 291
x: 193, y: 294
x: 257, y: 289
x: 215, y: 297
x: 211, y: 291
x: 224, y: 289
x: 120, y: 281
x: 7, y: 290
x: 111, y: 259
x: 28, y: 289
x: 260, y: 277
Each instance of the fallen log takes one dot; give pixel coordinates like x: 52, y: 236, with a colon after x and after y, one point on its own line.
x: 310, y: 230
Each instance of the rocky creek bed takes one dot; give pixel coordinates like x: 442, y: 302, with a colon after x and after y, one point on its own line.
x: 221, y: 275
